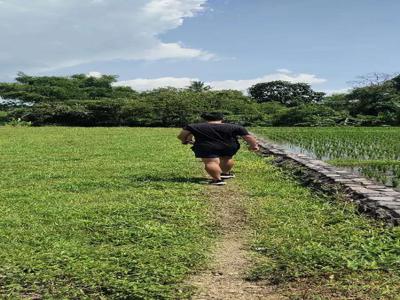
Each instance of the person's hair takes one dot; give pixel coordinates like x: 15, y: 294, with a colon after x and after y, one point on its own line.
x: 212, y: 116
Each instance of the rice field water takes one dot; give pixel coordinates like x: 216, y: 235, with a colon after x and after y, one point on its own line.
x: 371, y: 151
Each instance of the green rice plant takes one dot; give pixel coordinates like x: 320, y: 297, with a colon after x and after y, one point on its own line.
x: 372, y: 151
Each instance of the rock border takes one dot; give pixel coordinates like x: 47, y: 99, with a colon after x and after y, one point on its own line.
x: 371, y: 198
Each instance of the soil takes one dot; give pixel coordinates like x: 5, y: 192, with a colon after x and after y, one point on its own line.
x: 225, y: 276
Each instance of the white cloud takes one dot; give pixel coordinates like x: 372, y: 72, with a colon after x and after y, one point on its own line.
x: 142, y: 84
x: 49, y: 34
x: 338, y: 91
x: 240, y: 84
x: 244, y: 84
x: 286, y: 71
x: 94, y: 73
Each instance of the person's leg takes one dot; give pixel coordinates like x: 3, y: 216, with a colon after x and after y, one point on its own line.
x: 226, y: 164
x: 212, y: 167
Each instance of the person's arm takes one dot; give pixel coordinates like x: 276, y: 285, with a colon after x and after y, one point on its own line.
x: 253, y: 145
x: 251, y: 140
x: 186, y: 137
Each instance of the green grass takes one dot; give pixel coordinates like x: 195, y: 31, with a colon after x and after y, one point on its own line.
x: 98, y: 213
x: 372, y: 151
x: 316, y: 248
x: 114, y: 213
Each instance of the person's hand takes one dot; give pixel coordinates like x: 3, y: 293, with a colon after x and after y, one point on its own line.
x: 254, y: 148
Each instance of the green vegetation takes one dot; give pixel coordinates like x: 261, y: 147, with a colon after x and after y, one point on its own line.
x: 316, y: 248
x: 87, y: 101
x: 98, y: 213
x: 286, y: 93
x: 375, y: 152
x: 58, y: 89
x: 3, y: 117
x: 117, y: 213
x: 80, y: 100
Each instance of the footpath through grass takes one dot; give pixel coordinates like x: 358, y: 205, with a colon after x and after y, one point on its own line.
x: 98, y: 213
x: 316, y: 248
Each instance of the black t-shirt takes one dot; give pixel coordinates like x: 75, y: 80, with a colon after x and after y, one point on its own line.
x: 217, y: 136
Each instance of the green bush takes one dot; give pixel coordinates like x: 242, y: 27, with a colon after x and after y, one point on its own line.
x: 161, y: 108
x: 309, y: 115
x: 3, y: 117
x: 72, y: 113
x: 18, y: 123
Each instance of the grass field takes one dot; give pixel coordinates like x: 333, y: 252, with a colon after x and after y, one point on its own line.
x: 98, y: 212
x: 372, y: 151
x: 118, y: 213
x: 316, y: 247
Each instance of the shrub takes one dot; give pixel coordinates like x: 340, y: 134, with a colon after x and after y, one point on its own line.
x: 3, y: 117
x: 310, y: 115
x: 18, y: 123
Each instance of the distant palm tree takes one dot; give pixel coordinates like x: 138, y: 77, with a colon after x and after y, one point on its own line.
x: 198, y: 86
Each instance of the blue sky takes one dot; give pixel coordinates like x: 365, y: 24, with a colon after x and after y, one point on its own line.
x: 336, y: 40
x: 170, y: 42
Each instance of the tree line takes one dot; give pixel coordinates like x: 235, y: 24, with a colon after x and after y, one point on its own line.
x: 81, y: 100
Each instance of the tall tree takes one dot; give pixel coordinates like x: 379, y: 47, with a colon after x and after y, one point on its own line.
x: 287, y: 93
x: 198, y: 86
x: 371, y: 79
x: 396, y: 83
x: 36, y: 89
x: 375, y: 99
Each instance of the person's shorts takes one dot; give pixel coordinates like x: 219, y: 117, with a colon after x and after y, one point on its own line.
x: 203, y: 152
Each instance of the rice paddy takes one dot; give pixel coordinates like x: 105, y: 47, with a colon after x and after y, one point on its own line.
x: 372, y: 152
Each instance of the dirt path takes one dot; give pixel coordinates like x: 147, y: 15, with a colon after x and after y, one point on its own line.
x: 225, y: 277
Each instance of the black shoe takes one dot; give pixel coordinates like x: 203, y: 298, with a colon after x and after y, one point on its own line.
x: 217, y: 182
x: 227, y: 175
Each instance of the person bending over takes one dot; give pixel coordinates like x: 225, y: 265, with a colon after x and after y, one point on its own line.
x: 216, y: 143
